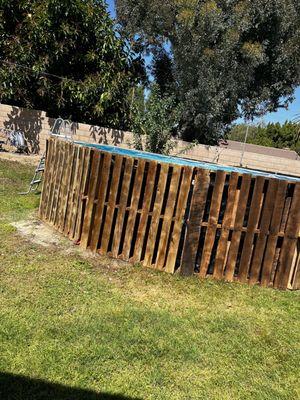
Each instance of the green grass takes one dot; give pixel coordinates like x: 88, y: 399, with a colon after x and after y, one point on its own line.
x: 95, y: 325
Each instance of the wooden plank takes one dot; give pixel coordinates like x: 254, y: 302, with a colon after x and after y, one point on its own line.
x: 111, y: 204
x: 45, y: 187
x: 133, y: 208
x: 47, y: 183
x: 264, y: 230
x: 296, y: 282
x: 238, y: 224
x: 273, y: 233
x: 179, y: 218
x: 82, y: 188
x: 71, y: 219
x: 70, y: 175
x: 159, y: 197
x: 144, y: 212
x: 293, y: 269
x: 289, y: 241
x: 228, y: 220
x: 194, y: 221
x: 93, y: 179
x: 65, y: 189
x: 102, y: 189
x: 167, y: 219
x: 57, y: 184
x: 62, y: 184
x: 212, y: 222
x: 251, y: 226
x: 285, y: 213
x: 44, y: 192
x: 122, y: 207
x: 72, y: 183
x: 51, y: 180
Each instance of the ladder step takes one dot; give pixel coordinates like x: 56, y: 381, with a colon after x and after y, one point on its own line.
x: 37, y: 177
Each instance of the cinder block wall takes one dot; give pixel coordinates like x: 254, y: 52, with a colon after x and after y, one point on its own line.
x: 36, y: 126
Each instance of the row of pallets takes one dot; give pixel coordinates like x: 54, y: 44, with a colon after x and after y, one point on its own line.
x: 173, y: 217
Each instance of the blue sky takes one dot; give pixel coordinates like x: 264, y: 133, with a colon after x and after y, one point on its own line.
x: 280, y: 116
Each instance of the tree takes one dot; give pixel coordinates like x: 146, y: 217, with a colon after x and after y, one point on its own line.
x: 153, y: 121
x: 162, y: 70
x: 230, y: 58
x: 66, y: 58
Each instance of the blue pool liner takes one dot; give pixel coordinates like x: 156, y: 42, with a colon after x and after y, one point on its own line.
x: 183, y: 161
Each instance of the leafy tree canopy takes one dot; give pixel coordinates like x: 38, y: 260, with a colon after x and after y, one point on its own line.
x: 73, y: 39
x: 229, y: 58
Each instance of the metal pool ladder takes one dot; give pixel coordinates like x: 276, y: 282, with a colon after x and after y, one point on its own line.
x: 61, y: 128
x: 37, y: 177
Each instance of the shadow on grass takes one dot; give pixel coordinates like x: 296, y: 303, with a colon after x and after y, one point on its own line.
x: 17, y: 387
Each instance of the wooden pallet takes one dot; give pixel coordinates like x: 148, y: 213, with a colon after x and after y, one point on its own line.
x: 128, y: 208
x: 244, y: 228
x: 172, y: 217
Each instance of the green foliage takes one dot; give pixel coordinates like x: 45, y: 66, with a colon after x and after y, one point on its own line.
x: 162, y: 70
x: 282, y: 136
x: 230, y: 58
x: 154, y: 121
x: 75, y: 40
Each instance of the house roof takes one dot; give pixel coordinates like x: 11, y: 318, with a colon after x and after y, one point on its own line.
x: 254, y: 148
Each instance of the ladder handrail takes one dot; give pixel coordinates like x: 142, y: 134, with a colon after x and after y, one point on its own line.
x: 62, y: 128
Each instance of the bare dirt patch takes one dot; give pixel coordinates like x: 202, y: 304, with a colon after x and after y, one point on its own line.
x: 36, y: 231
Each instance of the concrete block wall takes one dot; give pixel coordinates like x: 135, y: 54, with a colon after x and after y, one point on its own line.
x: 36, y: 126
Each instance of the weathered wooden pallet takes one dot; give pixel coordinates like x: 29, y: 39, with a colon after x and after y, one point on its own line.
x: 172, y: 217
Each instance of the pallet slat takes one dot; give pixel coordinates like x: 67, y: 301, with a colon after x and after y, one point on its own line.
x: 70, y: 199
x: 264, y: 230
x: 228, y: 221
x: 57, y: 184
x: 159, y: 197
x: 144, y: 212
x: 102, y: 188
x: 87, y: 222
x: 212, y: 222
x: 166, y: 225
x: 198, y: 202
x: 178, y: 224
x: 45, y: 186
x: 273, y: 233
x: 116, y: 244
x: 65, y: 189
x: 81, y: 190
x: 238, y: 224
x: 52, y: 175
x: 289, y: 241
x: 111, y: 203
x: 133, y: 208
x: 251, y: 226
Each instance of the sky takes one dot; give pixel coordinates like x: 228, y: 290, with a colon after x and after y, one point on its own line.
x: 279, y: 116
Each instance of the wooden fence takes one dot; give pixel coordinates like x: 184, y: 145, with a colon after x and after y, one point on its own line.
x: 171, y: 217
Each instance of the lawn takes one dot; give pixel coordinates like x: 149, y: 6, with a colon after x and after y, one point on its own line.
x: 76, y: 327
